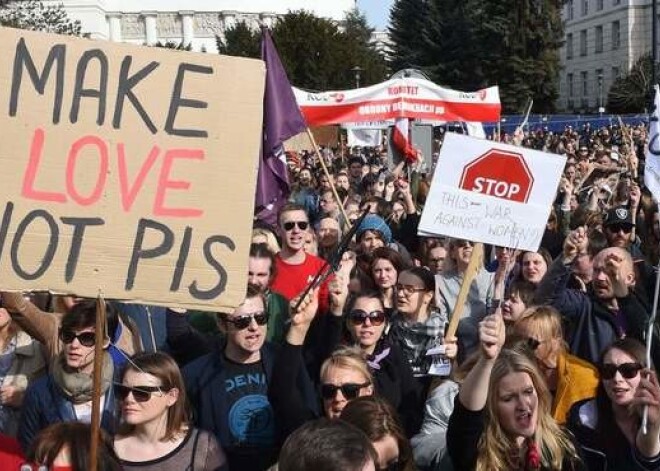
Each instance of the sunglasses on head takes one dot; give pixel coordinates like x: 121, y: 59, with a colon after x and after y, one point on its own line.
x: 627, y: 370
x: 349, y: 390
x: 358, y: 316
x: 86, y: 339
x: 140, y: 393
x: 302, y: 225
x: 243, y: 321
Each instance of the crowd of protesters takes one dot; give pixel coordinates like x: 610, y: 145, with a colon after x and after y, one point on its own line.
x: 547, y: 369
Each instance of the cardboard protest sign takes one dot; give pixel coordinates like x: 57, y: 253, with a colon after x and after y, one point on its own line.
x: 127, y: 171
x: 489, y: 192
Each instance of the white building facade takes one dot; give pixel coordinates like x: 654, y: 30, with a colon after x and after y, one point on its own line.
x: 603, y: 38
x: 195, y: 22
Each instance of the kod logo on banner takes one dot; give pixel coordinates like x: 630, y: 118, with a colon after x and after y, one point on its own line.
x: 499, y: 173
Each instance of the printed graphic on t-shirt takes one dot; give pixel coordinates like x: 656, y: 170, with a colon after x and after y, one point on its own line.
x: 251, y: 419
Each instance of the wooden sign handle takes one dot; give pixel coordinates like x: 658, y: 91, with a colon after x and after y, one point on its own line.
x: 473, y: 268
x: 97, y: 378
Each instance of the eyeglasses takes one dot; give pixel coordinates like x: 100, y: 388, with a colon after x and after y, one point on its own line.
x: 358, y: 316
x: 409, y: 289
x: 86, y: 339
x: 302, y: 225
x: 620, y: 227
x: 243, y: 321
x: 349, y: 390
x: 627, y: 370
x: 140, y: 393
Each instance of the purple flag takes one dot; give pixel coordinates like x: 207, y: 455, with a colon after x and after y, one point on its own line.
x: 282, y: 120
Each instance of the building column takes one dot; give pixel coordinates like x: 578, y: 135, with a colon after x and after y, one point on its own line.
x: 114, y: 26
x: 150, y: 27
x: 268, y: 19
x: 228, y: 19
x: 188, y: 26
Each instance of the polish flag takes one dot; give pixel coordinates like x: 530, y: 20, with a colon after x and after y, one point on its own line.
x: 401, y: 139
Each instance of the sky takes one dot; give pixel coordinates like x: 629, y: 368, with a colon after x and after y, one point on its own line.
x: 377, y: 11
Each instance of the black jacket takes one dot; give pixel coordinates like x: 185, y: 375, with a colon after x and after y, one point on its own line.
x: 590, y: 324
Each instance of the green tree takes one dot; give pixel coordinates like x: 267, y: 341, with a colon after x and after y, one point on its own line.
x: 240, y: 40
x: 316, y: 52
x: 34, y: 15
x: 408, y: 21
x: 470, y: 44
x: 360, y: 50
x: 629, y: 93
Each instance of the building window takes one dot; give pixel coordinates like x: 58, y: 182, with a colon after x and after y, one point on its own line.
x: 599, y: 5
x: 583, y: 42
x: 569, y: 81
x: 616, y: 34
x: 585, y: 7
x: 616, y: 2
x: 599, y: 39
x: 584, y: 76
x: 569, y: 46
x: 569, y: 10
x: 616, y: 73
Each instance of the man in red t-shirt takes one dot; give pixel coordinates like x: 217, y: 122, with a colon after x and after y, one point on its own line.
x: 295, y: 268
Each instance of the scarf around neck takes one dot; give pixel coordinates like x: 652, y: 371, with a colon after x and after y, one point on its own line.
x: 76, y: 386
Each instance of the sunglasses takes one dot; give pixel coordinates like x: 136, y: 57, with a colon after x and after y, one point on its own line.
x: 86, y: 339
x: 302, y: 225
x: 358, y: 316
x: 627, y: 370
x: 620, y: 227
x: 140, y: 393
x: 243, y: 321
x: 349, y: 390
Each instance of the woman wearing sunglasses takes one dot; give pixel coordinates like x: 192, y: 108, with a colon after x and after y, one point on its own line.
x: 376, y: 418
x: 156, y: 433
x: 569, y: 378
x: 65, y: 394
x: 608, y: 427
x: 367, y: 323
x: 344, y: 375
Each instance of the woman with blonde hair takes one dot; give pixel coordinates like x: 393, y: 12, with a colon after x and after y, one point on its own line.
x: 156, y: 434
x: 569, y: 378
x: 502, y: 419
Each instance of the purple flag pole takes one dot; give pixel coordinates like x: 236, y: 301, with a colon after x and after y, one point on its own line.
x: 282, y: 120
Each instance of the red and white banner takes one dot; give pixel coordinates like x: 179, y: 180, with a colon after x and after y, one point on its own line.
x: 399, y: 98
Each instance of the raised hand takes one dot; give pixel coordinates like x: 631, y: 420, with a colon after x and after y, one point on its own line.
x: 491, y: 336
x: 338, y: 289
x: 635, y: 195
x: 613, y: 269
x: 306, y: 311
x: 575, y: 244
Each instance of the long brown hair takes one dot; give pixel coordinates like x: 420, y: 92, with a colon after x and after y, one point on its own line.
x: 163, y: 367
x: 496, y: 448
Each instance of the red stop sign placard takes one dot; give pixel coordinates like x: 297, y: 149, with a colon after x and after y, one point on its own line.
x: 499, y: 173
